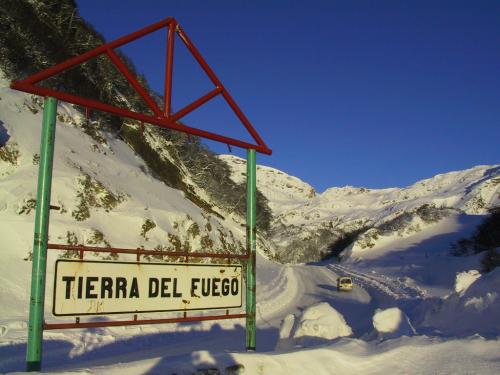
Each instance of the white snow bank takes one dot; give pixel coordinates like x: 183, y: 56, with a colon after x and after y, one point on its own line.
x: 286, y: 340
x: 391, y: 323
x: 407, y: 355
x: 319, y: 321
x: 322, y: 320
x: 465, y: 279
x: 469, y: 311
x: 287, y: 326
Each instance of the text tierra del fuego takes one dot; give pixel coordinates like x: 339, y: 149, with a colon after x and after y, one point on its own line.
x: 95, y: 287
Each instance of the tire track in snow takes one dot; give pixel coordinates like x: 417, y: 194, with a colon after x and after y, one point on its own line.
x: 393, y: 287
x: 277, y: 298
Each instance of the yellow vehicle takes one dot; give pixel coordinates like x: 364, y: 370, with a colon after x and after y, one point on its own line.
x: 344, y: 284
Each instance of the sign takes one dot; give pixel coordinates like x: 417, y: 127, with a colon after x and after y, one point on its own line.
x: 98, y: 288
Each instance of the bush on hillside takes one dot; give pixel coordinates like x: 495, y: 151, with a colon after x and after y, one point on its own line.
x: 336, y: 247
x: 490, y: 260
x: 427, y: 213
x: 431, y: 214
x: 397, y: 224
x: 486, y: 239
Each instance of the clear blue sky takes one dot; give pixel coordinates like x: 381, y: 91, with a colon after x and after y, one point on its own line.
x: 363, y: 93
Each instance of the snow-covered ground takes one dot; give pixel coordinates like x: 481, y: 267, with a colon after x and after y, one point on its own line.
x: 389, y: 323
x: 414, y: 309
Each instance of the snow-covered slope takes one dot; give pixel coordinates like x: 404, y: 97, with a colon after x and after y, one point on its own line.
x: 106, y: 196
x: 304, y: 325
x: 283, y: 191
x: 306, y: 224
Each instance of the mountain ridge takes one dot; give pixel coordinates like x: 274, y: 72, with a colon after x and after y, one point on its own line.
x: 309, y: 228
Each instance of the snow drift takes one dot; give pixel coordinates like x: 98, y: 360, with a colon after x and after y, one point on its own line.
x: 468, y: 311
x: 392, y: 323
x: 317, y: 323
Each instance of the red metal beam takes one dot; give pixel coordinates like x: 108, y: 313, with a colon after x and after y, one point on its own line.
x: 230, y: 101
x: 163, y: 119
x: 135, y: 84
x: 145, y: 252
x: 196, y: 104
x: 44, y: 91
x: 169, y: 69
x: 134, y: 322
x: 97, y: 51
x: 166, y: 123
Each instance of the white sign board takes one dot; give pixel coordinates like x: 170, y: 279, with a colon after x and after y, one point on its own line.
x: 98, y: 288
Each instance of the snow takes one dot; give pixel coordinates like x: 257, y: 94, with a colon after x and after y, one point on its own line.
x: 465, y: 280
x: 287, y: 326
x: 418, y: 256
x: 392, y: 323
x: 433, y: 312
x: 323, y: 321
x: 282, y: 190
x: 476, y: 308
x: 419, y: 355
x: 316, y: 323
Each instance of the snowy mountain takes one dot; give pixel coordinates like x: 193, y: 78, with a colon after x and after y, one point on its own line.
x: 409, y: 291
x: 308, y: 226
x: 414, y: 308
x: 282, y: 191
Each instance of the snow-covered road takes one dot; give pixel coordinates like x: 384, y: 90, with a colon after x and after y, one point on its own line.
x: 393, y: 287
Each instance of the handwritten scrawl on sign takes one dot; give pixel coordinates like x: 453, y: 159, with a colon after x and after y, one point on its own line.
x: 100, y: 288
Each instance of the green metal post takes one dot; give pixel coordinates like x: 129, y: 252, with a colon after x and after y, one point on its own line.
x: 35, y: 328
x: 251, y: 236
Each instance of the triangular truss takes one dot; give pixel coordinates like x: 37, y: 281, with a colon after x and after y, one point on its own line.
x: 164, y: 118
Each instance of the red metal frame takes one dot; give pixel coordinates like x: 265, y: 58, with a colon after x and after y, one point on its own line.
x: 117, y: 323
x: 169, y: 68
x: 135, y: 320
x: 163, y: 118
x: 115, y: 250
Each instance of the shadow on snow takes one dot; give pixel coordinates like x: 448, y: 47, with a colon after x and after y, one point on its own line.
x: 179, y: 350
